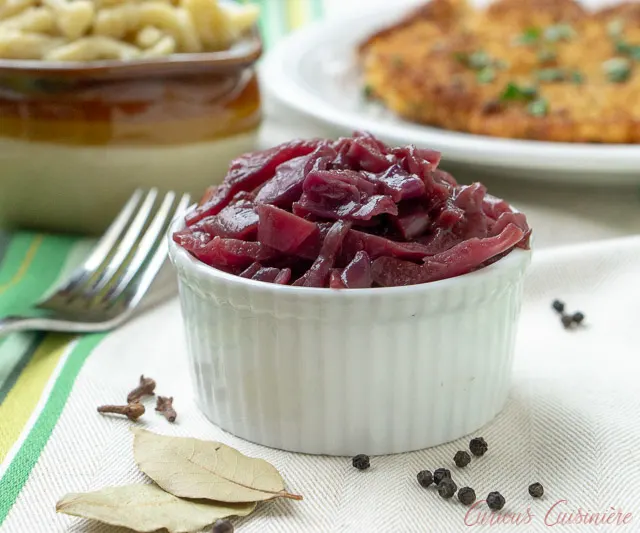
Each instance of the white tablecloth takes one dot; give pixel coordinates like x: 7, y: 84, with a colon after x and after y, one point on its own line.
x: 571, y: 422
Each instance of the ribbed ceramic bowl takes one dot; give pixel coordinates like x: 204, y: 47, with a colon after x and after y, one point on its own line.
x: 374, y: 371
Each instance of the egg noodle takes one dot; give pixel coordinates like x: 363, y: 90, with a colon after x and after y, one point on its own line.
x: 89, y: 30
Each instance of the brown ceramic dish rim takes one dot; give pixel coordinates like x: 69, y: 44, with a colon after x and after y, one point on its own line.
x: 243, y: 53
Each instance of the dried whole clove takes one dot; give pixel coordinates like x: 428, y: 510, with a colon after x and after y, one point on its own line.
x: 361, y: 462
x: 222, y: 526
x: 536, y: 490
x: 478, y: 446
x: 447, y: 488
x: 132, y: 411
x: 164, y: 405
x: 495, y: 501
x: 467, y: 495
x: 439, y: 474
x: 425, y: 478
x: 145, y: 388
x: 567, y: 321
x: 461, y: 459
x: 558, y: 306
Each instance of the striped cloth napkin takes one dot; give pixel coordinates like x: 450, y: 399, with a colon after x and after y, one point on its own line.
x: 37, y: 371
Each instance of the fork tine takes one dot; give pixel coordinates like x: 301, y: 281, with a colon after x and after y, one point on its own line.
x: 139, y: 286
x: 125, y: 245
x: 104, y: 245
x: 146, y: 246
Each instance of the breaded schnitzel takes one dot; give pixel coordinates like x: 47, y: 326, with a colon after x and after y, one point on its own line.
x: 530, y: 69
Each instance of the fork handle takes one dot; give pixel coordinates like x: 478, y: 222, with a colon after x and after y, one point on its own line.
x: 11, y: 324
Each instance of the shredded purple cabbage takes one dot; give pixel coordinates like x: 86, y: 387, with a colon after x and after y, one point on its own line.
x: 348, y: 214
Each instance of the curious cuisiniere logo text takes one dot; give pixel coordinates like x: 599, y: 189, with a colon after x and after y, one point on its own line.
x: 559, y: 513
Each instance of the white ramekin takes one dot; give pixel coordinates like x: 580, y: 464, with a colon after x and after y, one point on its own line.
x: 373, y: 371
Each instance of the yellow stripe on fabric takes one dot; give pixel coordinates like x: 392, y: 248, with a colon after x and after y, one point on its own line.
x: 297, y: 13
x: 25, y: 394
x: 26, y: 262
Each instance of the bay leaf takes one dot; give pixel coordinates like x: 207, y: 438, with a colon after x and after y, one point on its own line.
x: 192, y: 468
x: 148, y: 508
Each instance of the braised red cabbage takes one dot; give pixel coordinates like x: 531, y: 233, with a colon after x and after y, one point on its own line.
x: 348, y: 214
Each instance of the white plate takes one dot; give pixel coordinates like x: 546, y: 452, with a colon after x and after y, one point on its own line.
x: 314, y: 73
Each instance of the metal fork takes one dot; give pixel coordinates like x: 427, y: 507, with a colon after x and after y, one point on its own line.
x: 104, y: 291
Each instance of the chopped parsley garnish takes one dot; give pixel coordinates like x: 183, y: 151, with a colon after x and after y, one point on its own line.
x: 486, y: 75
x: 630, y: 50
x: 551, y: 74
x: 529, y: 36
x: 559, y: 32
x: 577, y: 77
x: 479, y: 60
x: 475, y: 60
x: 617, y: 69
x: 538, y: 108
x: 482, y: 63
x: 367, y: 92
x: 547, y: 56
x: 536, y: 105
x: 558, y: 74
x: 514, y: 92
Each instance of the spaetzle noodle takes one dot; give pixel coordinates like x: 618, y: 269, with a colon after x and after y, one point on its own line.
x: 93, y: 30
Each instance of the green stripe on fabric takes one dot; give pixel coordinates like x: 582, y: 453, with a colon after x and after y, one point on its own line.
x: 33, y: 264
x: 14, y: 256
x: 279, y: 19
x: 273, y: 20
x: 13, y: 347
x: 9, y: 381
x: 5, y: 238
x: 22, y: 291
x: 20, y: 468
x: 265, y: 23
x: 317, y: 9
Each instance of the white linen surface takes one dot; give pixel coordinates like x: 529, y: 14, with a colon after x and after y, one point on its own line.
x: 571, y: 422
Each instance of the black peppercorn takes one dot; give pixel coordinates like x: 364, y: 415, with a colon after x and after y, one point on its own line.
x: 567, y: 321
x: 461, y: 459
x: 467, y: 495
x: 222, y: 526
x: 425, y: 478
x: 578, y: 317
x: 361, y: 462
x: 478, y: 446
x: 558, y: 306
x: 495, y: 501
x: 439, y: 474
x: 536, y: 490
x: 447, y: 488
